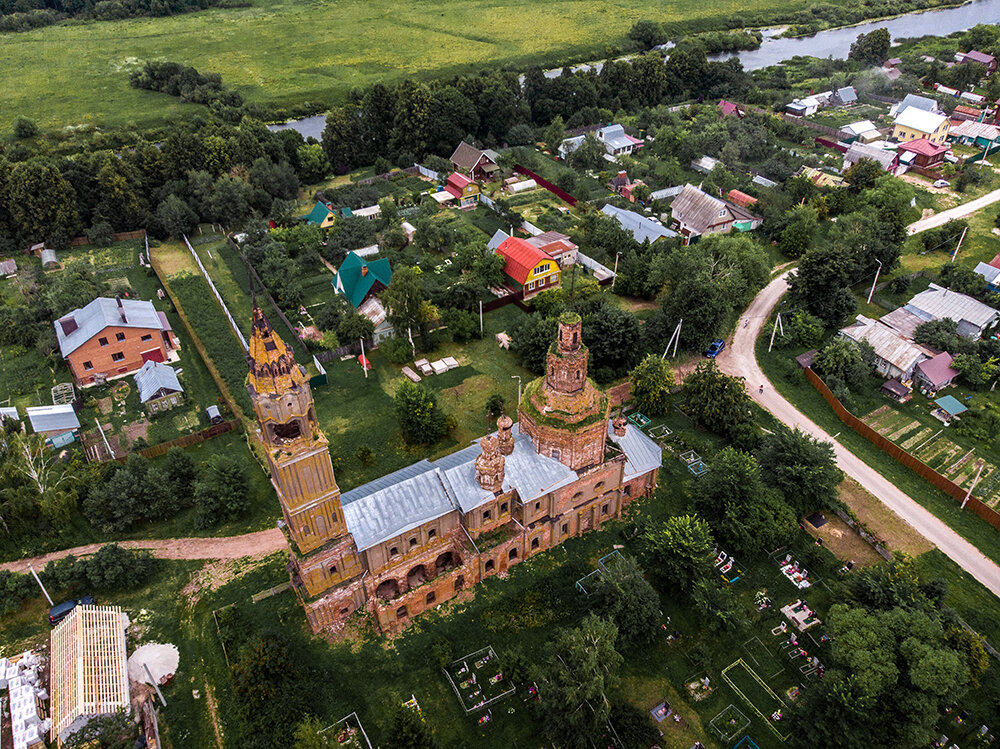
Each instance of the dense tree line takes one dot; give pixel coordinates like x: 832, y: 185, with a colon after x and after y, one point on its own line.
x: 22, y: 15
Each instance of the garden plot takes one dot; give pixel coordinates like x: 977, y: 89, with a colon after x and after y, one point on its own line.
x: 755, y: 692
x: 903, y: 430
x: 914, y: 440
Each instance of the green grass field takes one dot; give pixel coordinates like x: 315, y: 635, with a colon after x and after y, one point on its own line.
x: 287, y: 52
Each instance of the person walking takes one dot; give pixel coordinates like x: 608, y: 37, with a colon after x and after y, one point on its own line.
x: 761, y: 391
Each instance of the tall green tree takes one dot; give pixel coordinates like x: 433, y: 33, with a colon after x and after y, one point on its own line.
x: 421, y: 420
x: 41, y: 203
x: 409, y: 730
x: 803, y: 469
x: 404, y: 299
x: 652, y: 380
x: 679, y: 550
x: 622, y: 595
x: 745, y: 514
x: 575, y: 680
x: 716, y: 400
x: 871, y: 48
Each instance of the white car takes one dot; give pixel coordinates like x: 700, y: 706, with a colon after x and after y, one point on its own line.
x: 942, y: 183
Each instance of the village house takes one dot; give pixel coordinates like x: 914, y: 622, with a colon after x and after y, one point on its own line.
x: 475, y: 163
x: 111, y: 338
x: 895, y: 355
x: 922, y: 153
x: 963, y: 113
x: 989, y: 61
x: 642, y: 228
x: 528, y: 267
x: 622, y: 185
x: 803, y: 107
x: 912, y: 123
x: 360, y: 283
x: 322, y: 215
x: 934, y: 374
x: 863, y: 131
x: 978, y: 134
x: 462, y: 189
x: 616, y: 141
x: 918, y: 102
x: 557, y: 246
x: 990, y: 272
x: 971, y: 316
x: 728, y: 108
x: 409, y: 541
x: 371, y: 212
x: 158, y: 386
x: 696, y: 213
x: 887, y: 159
x: 844, y: 97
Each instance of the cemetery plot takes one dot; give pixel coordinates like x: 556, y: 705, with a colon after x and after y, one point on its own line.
x: 755, y: 692
x: 729, y: 724
x: 478, y: 680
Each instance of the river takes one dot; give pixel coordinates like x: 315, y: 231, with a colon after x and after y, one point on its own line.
x: 836, y: 43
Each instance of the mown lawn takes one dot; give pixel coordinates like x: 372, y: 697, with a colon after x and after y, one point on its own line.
x: 291, y: 51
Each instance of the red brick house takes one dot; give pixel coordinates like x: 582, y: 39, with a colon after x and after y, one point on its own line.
x: 111, y: 338
x: 924, y: 154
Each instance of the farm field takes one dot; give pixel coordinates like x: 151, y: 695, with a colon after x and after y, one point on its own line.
x: 285, y: 52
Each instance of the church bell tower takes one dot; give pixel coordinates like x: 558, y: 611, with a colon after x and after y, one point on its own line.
x: 297, y: 450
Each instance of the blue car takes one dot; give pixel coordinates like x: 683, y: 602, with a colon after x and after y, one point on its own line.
x: 715, y: 348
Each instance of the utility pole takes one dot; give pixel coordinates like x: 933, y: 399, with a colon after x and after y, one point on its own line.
x: 675, y: 338
x: 960, y: 240
x: 480, y: 318
x: 363, y: 360
x: 518, y: 378
x: 777, y: 323
x: 37, y: 580
x: 969, y: 493
x: 615, y: 278
x: 879, y: 270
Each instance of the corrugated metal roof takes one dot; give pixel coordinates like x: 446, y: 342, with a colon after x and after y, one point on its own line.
x: 498, y: 238
x: 887, y: 342
x: 938, y: 369
x: 988, y: 272
x: 100, y: 314
x: 920, y: 120
x: 858, y: 151
x: 642, y: 454
x: 698, y: 210
x: 153, y: 377
x: 642, y: 228
x: 938, y: 303
x: 52, y: 418
x: 9, y: 412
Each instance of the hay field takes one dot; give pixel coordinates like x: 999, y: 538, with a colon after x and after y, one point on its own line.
x: 292, y: 51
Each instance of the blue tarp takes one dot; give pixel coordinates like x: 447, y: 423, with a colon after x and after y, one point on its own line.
x: 951, y: 404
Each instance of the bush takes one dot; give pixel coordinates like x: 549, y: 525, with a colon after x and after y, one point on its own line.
x: 222, y: 492
x: 420, y: 418
x: 101, y: 234
x: 397, y: 350
x: 24, y: 128
x: 112, y: 567
x: 14, y: 589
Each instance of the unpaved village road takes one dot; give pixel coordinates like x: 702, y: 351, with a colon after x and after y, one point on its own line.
x: 230, y: 547
x: 739, y: 358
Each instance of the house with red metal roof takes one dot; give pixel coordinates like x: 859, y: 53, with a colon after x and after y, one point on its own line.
x: 529, y: 267
x: 741, y: 199
x: 921, y: 152
x: 463, y: 189
x: 556, y: 245
x: 935, y: 373
x: 727, y: 108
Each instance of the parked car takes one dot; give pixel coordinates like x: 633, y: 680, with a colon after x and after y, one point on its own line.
x: 61, y: 610
x: 942, y: 183
x: 715, y: 348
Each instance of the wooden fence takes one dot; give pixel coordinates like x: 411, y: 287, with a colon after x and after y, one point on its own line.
x: 119, y: 237
x: 542, y: 182
x: 189, y: 439
x: 943, y: 483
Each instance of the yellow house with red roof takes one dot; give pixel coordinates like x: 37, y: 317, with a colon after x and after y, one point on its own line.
x: 528, y: 266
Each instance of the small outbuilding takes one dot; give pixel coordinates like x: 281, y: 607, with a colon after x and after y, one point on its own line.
x: 936, y: 373
x: 948, y: 408
x: 53, y: 422
x: 896, y: 390
x: 159, y: 388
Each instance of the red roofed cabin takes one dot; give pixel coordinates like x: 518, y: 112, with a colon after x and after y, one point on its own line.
x: 464, y: 189
x: 528, y: 267
x: 926, y: 155
x: 741, y: 199
x: 727, y: 108
x: 982, y: 58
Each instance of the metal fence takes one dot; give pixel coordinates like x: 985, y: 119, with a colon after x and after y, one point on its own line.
x: 542, y: 182
x: 429, y: 173
x: 218, y: 296
x: 943, y: 483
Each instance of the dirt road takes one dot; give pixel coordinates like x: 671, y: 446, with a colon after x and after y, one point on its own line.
x: 959, y: 211
x: 231, y: 547
x: 740, y: 359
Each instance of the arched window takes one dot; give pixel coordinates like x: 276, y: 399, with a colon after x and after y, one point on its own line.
x: 489, y: 565
x: 512, y: 554
x: 535, y: 542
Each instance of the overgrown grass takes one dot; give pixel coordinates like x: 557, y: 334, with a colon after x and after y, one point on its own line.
x: 287, y: 52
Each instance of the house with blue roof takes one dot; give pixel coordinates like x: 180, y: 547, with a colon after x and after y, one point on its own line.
x: 159, y: 388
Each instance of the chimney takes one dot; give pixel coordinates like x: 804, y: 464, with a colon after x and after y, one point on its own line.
x: 619, y: 425
x: 490, y: 465
x: 68, y: 324
x: 121, y: 308
x: 623, y: 174
x: 364, y: 271
x: 505, y: 438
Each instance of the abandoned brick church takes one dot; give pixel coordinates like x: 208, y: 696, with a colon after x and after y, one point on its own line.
x: 412, y: 539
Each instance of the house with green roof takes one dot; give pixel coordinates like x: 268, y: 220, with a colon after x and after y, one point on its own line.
x: 321, y: 215
x: 360, y: 283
